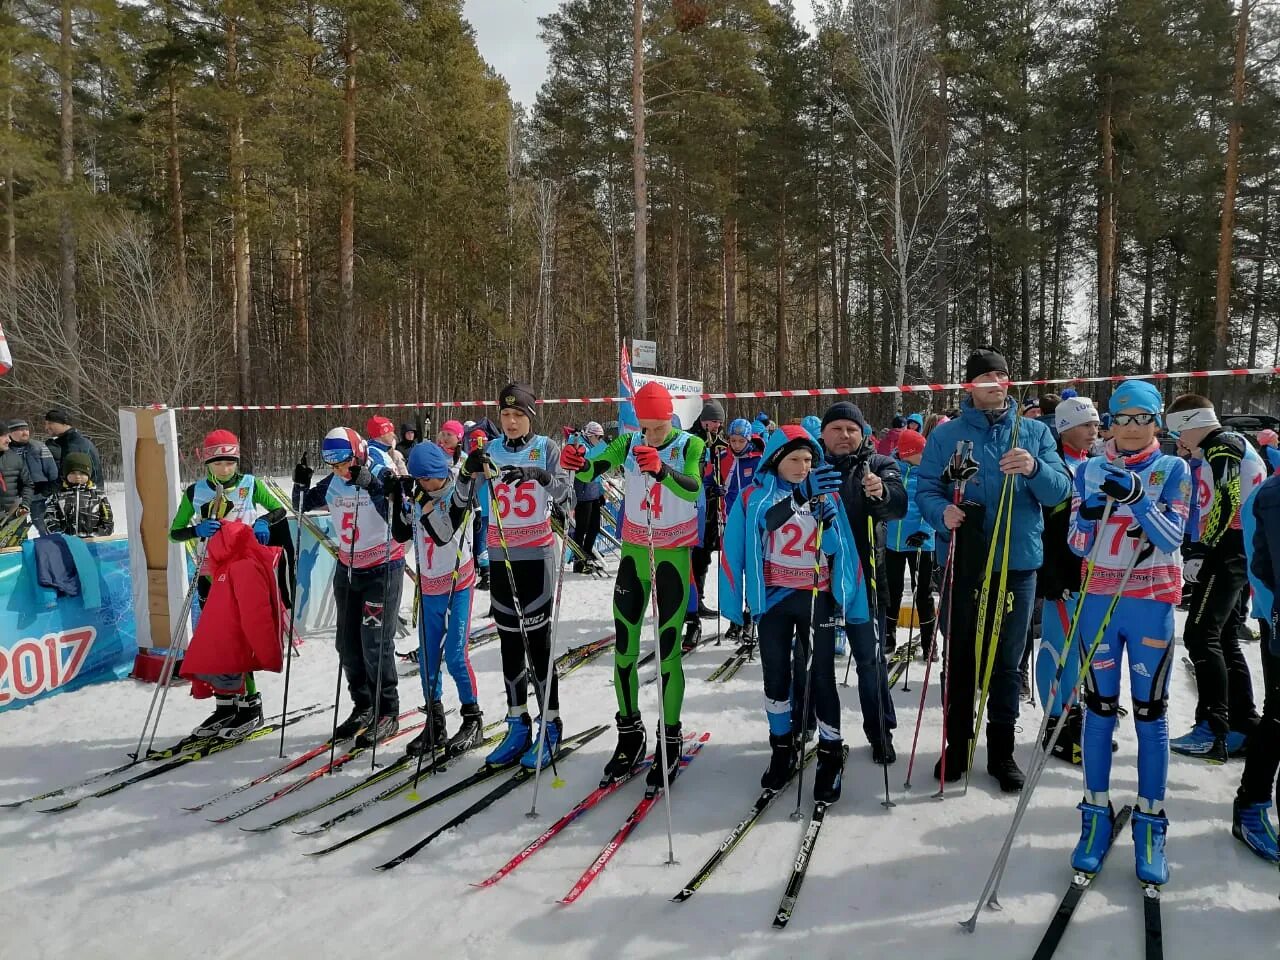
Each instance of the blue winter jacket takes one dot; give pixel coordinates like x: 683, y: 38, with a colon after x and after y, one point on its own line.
x: 1264, y: 566
x: 913, y: 522
x: 1047, y: 487
x: 742, y: 584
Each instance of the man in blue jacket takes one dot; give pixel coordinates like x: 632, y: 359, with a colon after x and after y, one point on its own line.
x: 987, y: 419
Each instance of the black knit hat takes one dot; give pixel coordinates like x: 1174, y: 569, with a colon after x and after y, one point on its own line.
x: 844, y: 410
x: 712, y: 410
x: 984, y: 360
x: 518, y: 396
x: 58, y: 415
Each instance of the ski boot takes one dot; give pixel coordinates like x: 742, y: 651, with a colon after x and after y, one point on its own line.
x: 829, y: 772
x: 385, y: 726
x: 424, y: 743
x: 692, y: 635
x: 734, y: 633
x: 667, y: 752
x: 883, y: 753
x: 630, y: 750
x: 1000, y: 760
x: 1201, y: 742
x: 360, y: 718
x: 1237, y: 744
x: 1096, y: 827
x: 1068, y: 747
x: 471, y: 733
x: 1252, y: 827
x: 555, y: 730
x: 223, y: 714
x: 782, y: 763
x: 514, y: 744
x: 482, y: 579
x: 957, y: 761
x: 247, y: 718
x: 1149, y: 830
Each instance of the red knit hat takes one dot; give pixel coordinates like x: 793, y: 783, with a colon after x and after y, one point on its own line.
x: 652, y: 402
x: 376, y: 427
x: 910, y: 443
x: 221, y: 445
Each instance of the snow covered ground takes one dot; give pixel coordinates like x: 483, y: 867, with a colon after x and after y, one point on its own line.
x: 132, y: 875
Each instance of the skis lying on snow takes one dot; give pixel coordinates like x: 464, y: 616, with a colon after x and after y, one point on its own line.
x: 587, y: 803
x: 341, y: 760
x: 1071, y: 899
x: 522, y: 775
x: 746, y: 650
x: 1151, y: 918
x: 189, y: 757
x: 483, y: 775
x: 801, y: 866
x: 734, y: 837
x: 650, y: 800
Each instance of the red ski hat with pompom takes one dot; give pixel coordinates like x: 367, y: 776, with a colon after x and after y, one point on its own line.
x: 221, y: 445
x: 652, y: 402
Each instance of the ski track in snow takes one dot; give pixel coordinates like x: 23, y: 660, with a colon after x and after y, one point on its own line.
x: 132, y: 875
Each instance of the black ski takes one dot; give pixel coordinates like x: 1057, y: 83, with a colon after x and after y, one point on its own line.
x: 483, y: 775
x: 184, y: 758
x: 1151, y: 916
x: 801, y: 866
x: 746, y: 650
x: 1071, y: 899
x: 734, y: 837
x: 521, y: 776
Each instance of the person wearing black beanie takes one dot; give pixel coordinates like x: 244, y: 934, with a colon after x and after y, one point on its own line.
x: 871, y: 489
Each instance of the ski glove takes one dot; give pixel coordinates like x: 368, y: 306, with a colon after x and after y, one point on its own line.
x: 649, y: 461
x: 1093, y: 506
x: 261, y: 530
x: 1191, y: 570
x: 477, y: 461
x: 821, y: 479
x: 917, y: 540
x: 207, y: 527
x: 573, y: 457
x: 514, y: 475
x: 390, y: 485
x: 824, y: 510
x: 1124, y: 485
x: 361, y: 477
x: 960, y: 470
x: 302, y: 473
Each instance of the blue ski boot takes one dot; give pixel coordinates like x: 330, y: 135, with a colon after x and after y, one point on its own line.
x: 1237, y: 744
x: 1096, y: 827
x: 1200, y: 742
x: 514, y: 744
x: 1251, y: 825
x: 554, y: 731
x: 1149, y: 831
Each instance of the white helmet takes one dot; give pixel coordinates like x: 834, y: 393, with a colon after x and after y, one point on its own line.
x: 1075, y: 412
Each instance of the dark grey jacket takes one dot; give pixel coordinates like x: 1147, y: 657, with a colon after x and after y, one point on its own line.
x: 15, y: 481
x: 73, y: 441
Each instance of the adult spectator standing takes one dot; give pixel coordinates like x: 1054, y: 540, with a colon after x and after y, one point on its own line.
x: 40, y: 464
x: 408, y: 439
x: 1039, y: 479
x: 870, y: 487
x: 15, y: 480
x: 589, y: 502
x: 64, y: 439
x: 708, y: 427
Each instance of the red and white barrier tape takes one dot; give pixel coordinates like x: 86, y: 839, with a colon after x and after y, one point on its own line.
x: 744, y: 395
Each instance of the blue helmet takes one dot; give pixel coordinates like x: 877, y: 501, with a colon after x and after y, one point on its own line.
x: 740, y: 428
x: 342, y: 444
x: 427, y: 461
x: 813, y: 425
x: 1137, y: 395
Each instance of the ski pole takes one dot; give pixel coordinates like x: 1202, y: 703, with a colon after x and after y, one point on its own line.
x: 877, y: 628
x: 911, y: 624
x: 1141, y: 549
x: 808, y: 669
x: 346, y: 617
x: 565, y: 540
x: 541, y: 691
x: 657, y: 655
x: 963, y: 454
x: 293, y: 623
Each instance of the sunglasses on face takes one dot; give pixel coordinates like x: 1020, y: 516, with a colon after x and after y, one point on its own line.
x: 1133, y: 419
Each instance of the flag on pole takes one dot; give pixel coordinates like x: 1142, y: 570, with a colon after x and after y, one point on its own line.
x: 626, y: 389
x: 6, y: 358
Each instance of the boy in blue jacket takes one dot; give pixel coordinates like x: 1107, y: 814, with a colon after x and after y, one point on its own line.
x: 909, y: 544
x: 987, y: 419
x: 776, y: 535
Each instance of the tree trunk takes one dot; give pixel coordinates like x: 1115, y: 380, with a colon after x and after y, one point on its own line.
x: 1226, y: 232
x: 941, y: 280
x: 729, y: 239
x: 1106, y: 234
x: 1260, y: 278
x: 1148, y: 296
x: 66, y: 223
x: 347, y: 219
x: 10, y: 218
x: 177, y: 227
x: 639, y: 174
x: 780, y: 303
x: 238, y: 185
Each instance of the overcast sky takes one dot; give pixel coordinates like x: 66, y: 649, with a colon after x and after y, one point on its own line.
x: 507, y: 35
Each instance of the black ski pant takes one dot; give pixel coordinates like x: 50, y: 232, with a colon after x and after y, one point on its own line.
x: 586, y: 526
x: 1224, y: 686
x: 368, y: 603
x: 535, y: 597
x: 1259, y: 782
x: 920, y: 563
x: 785, y: 631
